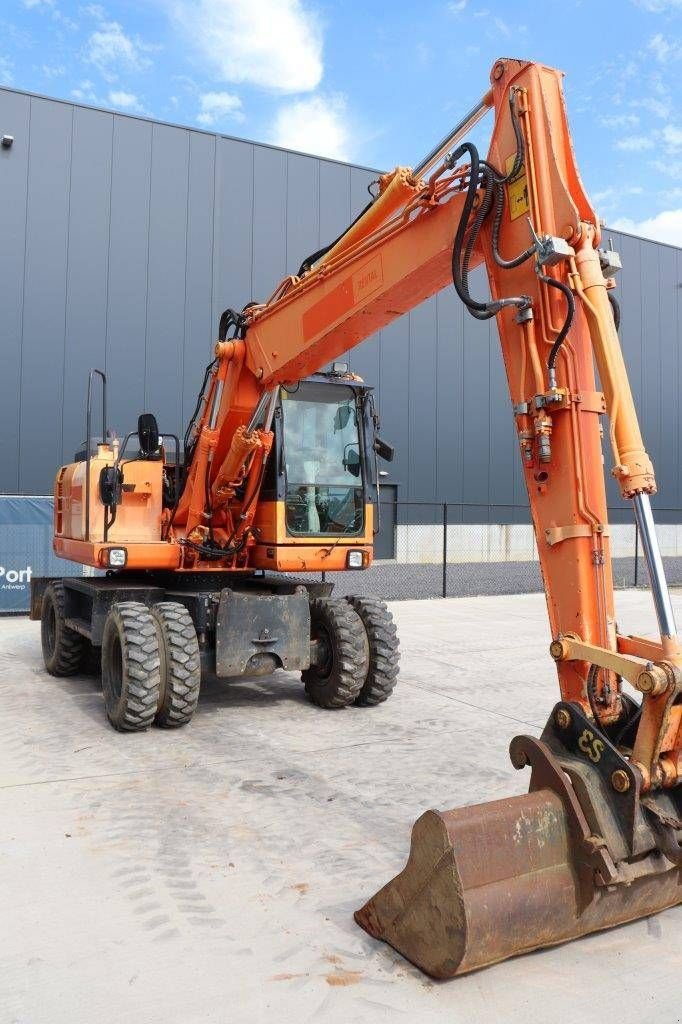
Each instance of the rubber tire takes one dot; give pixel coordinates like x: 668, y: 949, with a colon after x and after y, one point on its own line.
x: 63, y: 649
x: 131, y: 673
x: 384, y: 650
x: 180, y: 664
x: 337, y: 684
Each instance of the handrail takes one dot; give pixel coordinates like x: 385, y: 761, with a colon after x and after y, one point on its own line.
x: 88, y: 437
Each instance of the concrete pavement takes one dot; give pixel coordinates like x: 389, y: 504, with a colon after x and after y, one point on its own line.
x: 210, y: 874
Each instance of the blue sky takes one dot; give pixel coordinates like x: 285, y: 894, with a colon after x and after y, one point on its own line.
x: 378, y: 83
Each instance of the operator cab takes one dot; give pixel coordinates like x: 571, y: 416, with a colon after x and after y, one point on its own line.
x: 321, y: 478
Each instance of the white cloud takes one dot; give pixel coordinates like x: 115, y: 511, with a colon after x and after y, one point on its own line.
x: 672, y: 136
x: 276, y: 44
x: 664, y: 227
x: 502, y: 27
x: 53, y: 70
x: 109, y: 48
x: 659, y: 108
x: 124, y: 100
x: 634, y: 143
x: 6, y: 69
x: 50, y: 7
x: 659, y: 6
x: 216, y: 106
x: 85, y: 92
x: 62, y: 19
x: 620, y: 120
x: 315, y: 125
x: 671, y: 168
x: 457, y: 6
x: 612, y: 196
x: 663, y: 50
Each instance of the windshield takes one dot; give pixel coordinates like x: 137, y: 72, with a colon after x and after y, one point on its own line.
x: 322, y: 460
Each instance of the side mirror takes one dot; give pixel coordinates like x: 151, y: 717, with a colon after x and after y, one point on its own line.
x: 384, y: 450
x: 110, y: 486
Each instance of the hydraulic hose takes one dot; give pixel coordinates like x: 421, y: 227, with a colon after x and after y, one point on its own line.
x: 483, y: 174
x: 499, y: 181
x: 570, y: 313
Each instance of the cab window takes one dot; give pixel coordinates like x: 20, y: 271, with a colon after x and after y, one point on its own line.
x: 324, y: 487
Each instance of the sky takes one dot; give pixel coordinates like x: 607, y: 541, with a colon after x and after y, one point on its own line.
x: 375, y: 83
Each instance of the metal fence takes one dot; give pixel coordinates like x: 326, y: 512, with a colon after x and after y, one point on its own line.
x: 447, y: 549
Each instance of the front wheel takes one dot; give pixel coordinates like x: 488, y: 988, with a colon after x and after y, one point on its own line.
x: 337, y: 676
x: 130, y: 666
x: 63, y: 649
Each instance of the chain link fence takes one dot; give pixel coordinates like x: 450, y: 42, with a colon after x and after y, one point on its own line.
x: 446, y: 549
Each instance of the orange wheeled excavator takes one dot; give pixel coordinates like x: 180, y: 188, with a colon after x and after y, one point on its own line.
x: 277, y: 474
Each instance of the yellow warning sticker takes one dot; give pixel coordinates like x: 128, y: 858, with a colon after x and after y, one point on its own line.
x: 517, y: 190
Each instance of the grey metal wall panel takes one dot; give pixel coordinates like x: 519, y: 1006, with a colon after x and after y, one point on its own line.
x: 334, y: 200
x: 15, y: 113
x: 629, y: 297
x: 44, y: 300
x: 302, y: 209
x: 166, y: 278
x: 200, y: 332
x: 269, y: 224
x: 668, y: 452
x: 650, y: 408
x: 125, y: 239
x: 87, y: 267
x: 365, y: 359
x: 422, y: 370
x: 504, y: 450
x: 449, y: 439
x: 394, y: 398
x: 128, y: 265
x: 233, y: 226
x: 476, y: 401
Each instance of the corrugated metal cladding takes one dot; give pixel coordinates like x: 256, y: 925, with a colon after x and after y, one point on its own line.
x: 123, y: 239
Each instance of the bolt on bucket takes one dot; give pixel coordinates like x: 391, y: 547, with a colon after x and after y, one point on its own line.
x: 491, y: 881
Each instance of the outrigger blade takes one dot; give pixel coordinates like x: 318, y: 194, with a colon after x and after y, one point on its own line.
x: 571, y: 857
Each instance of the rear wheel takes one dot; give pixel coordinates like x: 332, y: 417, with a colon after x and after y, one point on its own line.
x: 339, y: 673
x: 130, y: 666
x: 384, y: 650
x: 180, y: 664
x: 63, y: 649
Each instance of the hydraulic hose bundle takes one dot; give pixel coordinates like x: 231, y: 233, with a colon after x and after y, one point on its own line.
x: 488, y: 183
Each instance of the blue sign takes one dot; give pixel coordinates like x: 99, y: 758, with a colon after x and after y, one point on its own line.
x: 26, y: 549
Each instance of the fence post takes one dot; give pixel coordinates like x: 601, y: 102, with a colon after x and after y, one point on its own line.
x: 636, y: 555
x: 445, y: 549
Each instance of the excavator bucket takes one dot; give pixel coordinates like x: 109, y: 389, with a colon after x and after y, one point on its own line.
x: 491, y: 881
